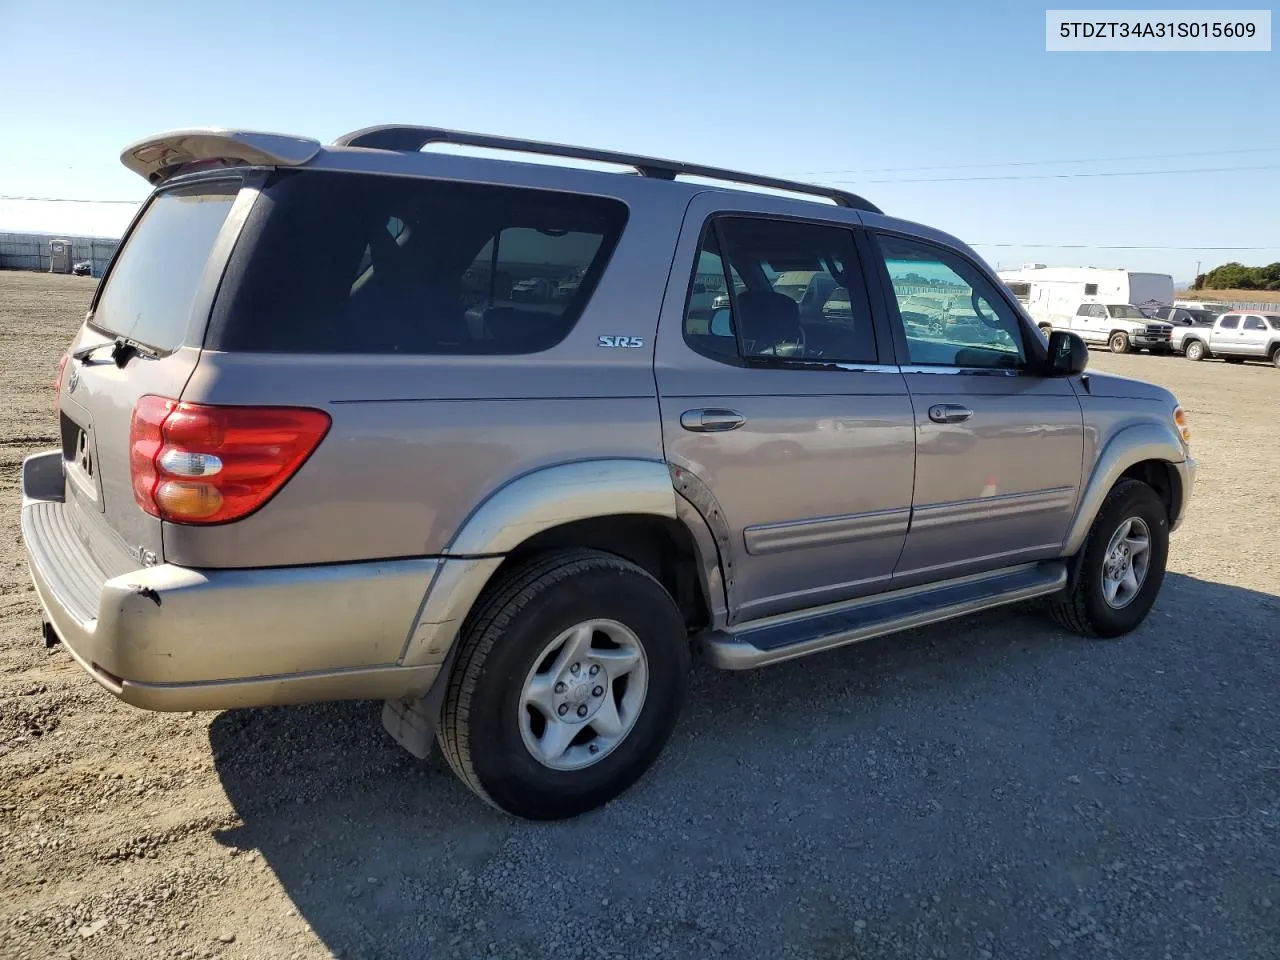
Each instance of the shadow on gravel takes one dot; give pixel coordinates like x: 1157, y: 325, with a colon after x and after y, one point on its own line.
x: 986, y: 785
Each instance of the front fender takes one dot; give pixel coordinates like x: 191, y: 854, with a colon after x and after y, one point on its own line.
x: 1128, y: 446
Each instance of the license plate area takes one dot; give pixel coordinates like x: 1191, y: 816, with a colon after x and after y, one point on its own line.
x: 80, y: 459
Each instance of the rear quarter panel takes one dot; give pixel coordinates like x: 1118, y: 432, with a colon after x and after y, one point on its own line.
x: 418, y: 442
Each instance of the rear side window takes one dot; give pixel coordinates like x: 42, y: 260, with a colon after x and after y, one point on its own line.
x: 149, y: 292
x: 350, y: 263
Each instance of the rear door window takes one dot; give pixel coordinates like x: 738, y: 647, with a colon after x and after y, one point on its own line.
x: 352, y: 263
x: 148, y: 293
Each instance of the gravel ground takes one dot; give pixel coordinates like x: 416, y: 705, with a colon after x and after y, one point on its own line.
x: 993, y: 788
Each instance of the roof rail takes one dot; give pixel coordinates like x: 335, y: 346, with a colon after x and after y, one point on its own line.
x: 410, y: 139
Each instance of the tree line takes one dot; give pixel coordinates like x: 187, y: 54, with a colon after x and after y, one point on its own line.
x: 1236, y: 276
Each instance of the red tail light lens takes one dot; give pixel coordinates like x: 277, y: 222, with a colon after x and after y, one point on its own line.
x: 193, y: 463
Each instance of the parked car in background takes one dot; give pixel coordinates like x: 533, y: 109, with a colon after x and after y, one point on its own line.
x: 1183, y: 316
x: 1121, y: 326
x: 83, y: 268
x: 1216, y: 307
x: 1234, y: 337
x: 303, y: 453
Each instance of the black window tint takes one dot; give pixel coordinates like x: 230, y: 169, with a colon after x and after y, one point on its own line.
x: 149, y: 292
x: 1254, y: 323
x: 1090, y: 289
x: 795, y: 290
x: 349, y: 263
x: 1230, y: 322
x: 951, y: 313
x: 1084, y: 310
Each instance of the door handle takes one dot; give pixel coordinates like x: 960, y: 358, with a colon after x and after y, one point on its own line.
x: 711, y: 420
x: 949, y: 413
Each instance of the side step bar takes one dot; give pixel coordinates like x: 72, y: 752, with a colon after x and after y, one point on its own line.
x: 786, y: 637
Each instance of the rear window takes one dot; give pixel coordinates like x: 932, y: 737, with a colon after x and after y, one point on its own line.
x: 352, y: 263
x: 149, y: 291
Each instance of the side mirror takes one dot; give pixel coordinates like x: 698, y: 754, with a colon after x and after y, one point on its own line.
x: 721, y: 324
x: 1068, y: 354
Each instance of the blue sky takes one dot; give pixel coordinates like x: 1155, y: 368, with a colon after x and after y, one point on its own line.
x: 799, y: 89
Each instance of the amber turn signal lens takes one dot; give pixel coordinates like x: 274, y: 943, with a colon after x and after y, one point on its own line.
x: 1180, y: 418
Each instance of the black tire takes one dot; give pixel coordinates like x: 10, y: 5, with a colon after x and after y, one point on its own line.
x: 1119, y: 342
x: 1196, y: 350
x: 1082, y: 608
x: 1275, y: 358
x: 1046, y: 329
x: 509, y: 628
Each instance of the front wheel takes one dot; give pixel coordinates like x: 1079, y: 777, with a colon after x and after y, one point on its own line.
x: 570, y: 676
x: 1195, y: 350
x: 1122, y: 566
x: 1275, y: 358
x: 1119, y: 342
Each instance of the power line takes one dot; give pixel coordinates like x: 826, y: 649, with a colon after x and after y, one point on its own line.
x: 1037, y: 163
x: 1066, y: 176
x: 67, y: 200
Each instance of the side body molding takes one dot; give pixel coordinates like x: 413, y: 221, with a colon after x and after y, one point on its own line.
x: 1127, y: 446
x: 527, y: 506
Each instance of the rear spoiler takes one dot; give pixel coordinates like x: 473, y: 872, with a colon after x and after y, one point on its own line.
x: 160, y: 157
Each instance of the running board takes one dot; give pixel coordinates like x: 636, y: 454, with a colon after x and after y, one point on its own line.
x: 789, y: 636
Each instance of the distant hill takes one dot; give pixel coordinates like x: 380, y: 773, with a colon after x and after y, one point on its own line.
x: 1230, y: 296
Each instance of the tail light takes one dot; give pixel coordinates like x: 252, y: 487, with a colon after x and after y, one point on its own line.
x: 195, y: 463
x: 57, y: 383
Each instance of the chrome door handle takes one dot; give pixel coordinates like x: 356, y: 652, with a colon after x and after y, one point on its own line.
x: 711, y: 420
x: 949, y: 413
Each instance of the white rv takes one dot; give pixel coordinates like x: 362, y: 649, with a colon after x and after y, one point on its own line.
x: 1057, y: 292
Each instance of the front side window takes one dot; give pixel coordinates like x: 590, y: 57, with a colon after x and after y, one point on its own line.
x: 350, y: 263
x: 1230, y: 322
x: 792, y: 292
x: 1254, y: 323
x: 950, y: 312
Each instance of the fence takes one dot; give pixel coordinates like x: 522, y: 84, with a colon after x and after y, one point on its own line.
x: 31, y: 251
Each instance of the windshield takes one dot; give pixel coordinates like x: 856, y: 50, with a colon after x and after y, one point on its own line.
x: 1122, y: 311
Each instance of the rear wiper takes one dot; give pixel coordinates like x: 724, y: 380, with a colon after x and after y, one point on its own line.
x: 126, y: 348
x: 122, y: 349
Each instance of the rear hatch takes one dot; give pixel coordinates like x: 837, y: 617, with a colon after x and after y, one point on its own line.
x: 141, y: 337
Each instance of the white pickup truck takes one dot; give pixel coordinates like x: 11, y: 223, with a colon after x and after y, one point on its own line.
x: 1235, y: 337
x: 1121, y: 326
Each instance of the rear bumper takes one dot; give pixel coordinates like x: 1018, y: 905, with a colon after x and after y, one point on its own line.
x: 171, y: 638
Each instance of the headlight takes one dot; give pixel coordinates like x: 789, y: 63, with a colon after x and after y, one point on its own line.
x: 1180, y: 418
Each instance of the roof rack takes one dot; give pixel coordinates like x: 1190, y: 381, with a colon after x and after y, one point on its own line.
x: 410, y: 139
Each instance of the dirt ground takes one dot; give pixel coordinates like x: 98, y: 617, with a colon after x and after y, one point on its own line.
x: 993, y: 789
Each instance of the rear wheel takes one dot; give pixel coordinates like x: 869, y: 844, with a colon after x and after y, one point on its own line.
x: 1046, y: 329
x: 1122, y: 567
x: 1195, y: 350
x: 568, y: 682
x: 1119, y: 342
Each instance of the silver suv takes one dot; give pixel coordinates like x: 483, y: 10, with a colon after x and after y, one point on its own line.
x: 364, y: 421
